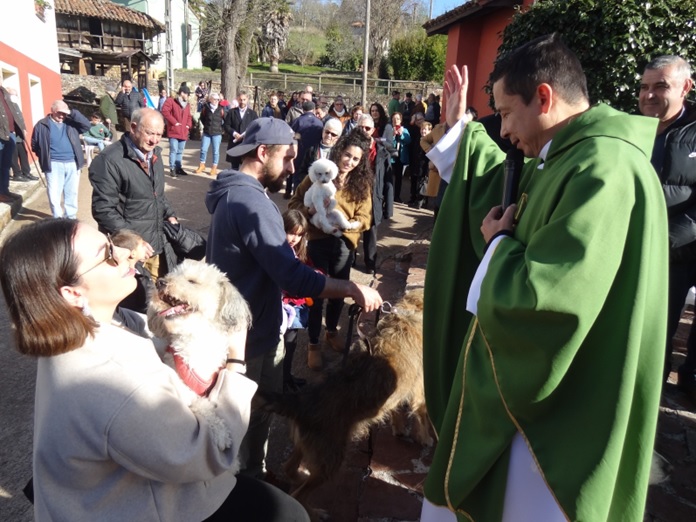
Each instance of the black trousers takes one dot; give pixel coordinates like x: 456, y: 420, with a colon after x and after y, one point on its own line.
x: 369, y: 238
x: 332, y: 256
x: 20, y: 160
x: 682, y: 276
x: 253, y: 499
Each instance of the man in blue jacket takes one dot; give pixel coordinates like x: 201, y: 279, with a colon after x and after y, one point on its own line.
x: 56, y: 141
x: 247, y: 241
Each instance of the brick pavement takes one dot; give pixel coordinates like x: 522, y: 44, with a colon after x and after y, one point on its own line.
x: 392, y: 491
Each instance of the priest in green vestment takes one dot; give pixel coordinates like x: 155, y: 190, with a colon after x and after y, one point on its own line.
x: 544, y: 324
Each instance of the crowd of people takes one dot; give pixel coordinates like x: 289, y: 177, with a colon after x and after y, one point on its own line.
x: 550, y: 315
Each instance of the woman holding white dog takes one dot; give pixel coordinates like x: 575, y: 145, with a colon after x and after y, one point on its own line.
x: 114, y: 438
x: 334, y: 255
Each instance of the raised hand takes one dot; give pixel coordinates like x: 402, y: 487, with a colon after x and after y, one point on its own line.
x: 455, y: 90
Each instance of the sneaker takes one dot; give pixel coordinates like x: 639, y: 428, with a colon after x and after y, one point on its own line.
x: 173, y: 173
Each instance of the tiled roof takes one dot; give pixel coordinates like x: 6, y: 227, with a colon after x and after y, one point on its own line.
x: 106, y: 10
x: 441, y: 24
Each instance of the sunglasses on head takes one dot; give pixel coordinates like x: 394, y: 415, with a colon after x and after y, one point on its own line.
x: 109, y: 256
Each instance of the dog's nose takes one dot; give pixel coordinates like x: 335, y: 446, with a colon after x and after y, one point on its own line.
x: 160, y: 284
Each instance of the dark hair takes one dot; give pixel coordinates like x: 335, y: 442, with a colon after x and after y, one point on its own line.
x: 125, y: 238
x: 295, y: 222
x: 383, y: 119
x: 543, y: 60
x: 359, y: 181
x: 37, y: 261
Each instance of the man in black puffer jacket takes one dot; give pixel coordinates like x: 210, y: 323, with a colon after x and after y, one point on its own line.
x: 127, y: 179
x: 665, y: 84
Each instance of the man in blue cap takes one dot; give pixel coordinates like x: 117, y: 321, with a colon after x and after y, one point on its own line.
x: 247, y: 241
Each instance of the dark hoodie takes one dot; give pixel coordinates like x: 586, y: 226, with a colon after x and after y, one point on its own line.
x: 247, y: 241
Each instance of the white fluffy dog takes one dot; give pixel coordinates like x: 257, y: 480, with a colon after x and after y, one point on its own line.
x: 327, y: 218
x: 196, y: 309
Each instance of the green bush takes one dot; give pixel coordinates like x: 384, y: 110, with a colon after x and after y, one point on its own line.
x: 417, y: 57
x: 342, y: 50
x: 613, y: 39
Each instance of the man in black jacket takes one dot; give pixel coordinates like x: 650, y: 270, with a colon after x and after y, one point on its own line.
x: 663, y: 89
x: 128, y: 101
x: 236, y: 122
x: 127, y: 179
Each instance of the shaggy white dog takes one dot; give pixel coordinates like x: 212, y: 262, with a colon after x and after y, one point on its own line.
x: 196, y: 309
x: 327, y: 218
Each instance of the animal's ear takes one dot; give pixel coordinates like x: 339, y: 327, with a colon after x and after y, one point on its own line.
x: 234, y: 310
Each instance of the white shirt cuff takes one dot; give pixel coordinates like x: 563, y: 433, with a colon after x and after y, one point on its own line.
x: 475, y: 288
x: 444, y: 153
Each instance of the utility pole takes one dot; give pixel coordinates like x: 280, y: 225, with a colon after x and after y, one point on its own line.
x: 366, y: 54
x: 169, y: 79
x: 430, y: 13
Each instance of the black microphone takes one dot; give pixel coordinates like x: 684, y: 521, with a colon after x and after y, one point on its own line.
x: 514, y: 160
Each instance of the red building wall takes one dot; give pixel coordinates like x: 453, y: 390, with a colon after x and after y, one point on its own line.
x: 49, y: 79
x: 474, y: 42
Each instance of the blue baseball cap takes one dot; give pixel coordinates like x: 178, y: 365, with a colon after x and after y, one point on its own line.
x: 264, y: 131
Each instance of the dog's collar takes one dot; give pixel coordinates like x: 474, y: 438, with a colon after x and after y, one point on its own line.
x: 191, y: 379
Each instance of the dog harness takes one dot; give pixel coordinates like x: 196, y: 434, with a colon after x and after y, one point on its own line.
x: 194, y: 381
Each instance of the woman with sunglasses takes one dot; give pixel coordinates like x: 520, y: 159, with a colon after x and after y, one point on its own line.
x: 114, y: 437
x: 334, y: 255
x: 329, y: 137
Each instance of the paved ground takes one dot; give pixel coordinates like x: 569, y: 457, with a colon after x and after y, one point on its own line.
x: 381, y: 487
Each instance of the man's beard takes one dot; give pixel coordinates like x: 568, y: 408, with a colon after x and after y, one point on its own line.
x: 272, y: 184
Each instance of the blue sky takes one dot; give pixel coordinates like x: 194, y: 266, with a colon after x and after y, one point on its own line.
x: 442, y: 6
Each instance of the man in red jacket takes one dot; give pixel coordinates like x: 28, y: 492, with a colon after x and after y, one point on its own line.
x: 177, y: 114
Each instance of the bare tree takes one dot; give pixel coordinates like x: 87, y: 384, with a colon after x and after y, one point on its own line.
x: 226, y: 38
x: 387, y: 19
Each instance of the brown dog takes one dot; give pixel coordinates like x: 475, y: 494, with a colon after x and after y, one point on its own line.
x: 366, y: 391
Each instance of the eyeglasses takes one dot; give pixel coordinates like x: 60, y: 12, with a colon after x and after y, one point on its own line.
x: 109, y: 258
x: 332, y: 134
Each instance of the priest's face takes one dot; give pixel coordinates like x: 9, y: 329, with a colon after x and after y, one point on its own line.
x: 522, y: 124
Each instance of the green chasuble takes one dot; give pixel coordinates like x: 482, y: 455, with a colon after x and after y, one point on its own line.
x: 568, y: 344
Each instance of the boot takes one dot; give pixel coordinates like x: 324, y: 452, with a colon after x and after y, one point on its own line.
x: 201, y: 168
x: 213, y: 171
x: 314, y: 359
x: 336, y: 344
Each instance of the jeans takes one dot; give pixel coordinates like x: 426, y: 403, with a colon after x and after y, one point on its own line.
x: 99, y: 142
x: 176, y: 152
x: 205, y: 143
x: 332, y: 256
x: 7, y: 148
x: 267, y: 371
x: 63, y: 180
